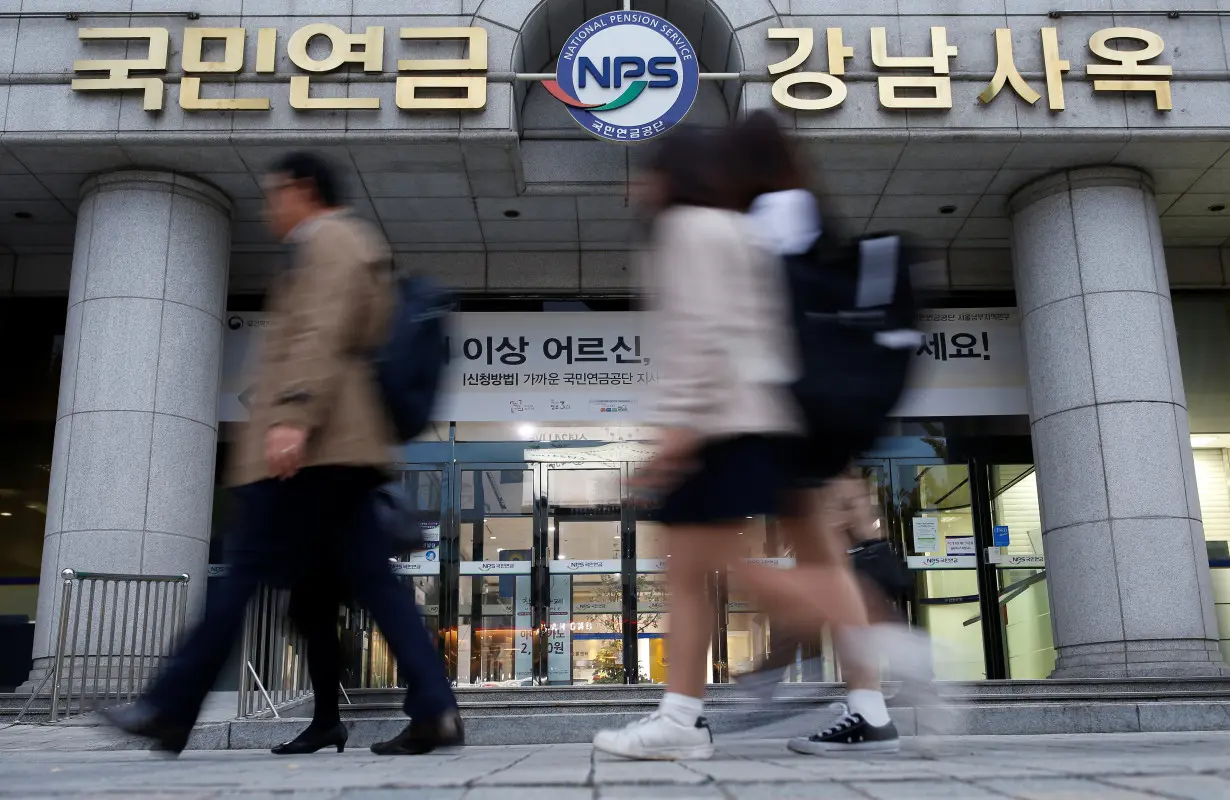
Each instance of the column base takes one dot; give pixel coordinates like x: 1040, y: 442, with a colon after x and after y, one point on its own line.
x: 1154, y: 658
x: 38, y: 670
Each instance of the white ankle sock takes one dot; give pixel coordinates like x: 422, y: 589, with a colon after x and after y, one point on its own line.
x: 682, y: 709
x: 870, y: 705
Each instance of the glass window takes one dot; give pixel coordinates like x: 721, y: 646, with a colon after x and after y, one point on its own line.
x: 583, y: 514
x: 1023, y: 595
x: 652, y: 623
x: 497, y: 491
x: 1213, y: 485
x: 1202, y: 323
x: 547, y: 432
x: 650, y: 540
x: 597, y: 629
x: 946, y: 598
x: 423, y: 491
x: 494, y: 631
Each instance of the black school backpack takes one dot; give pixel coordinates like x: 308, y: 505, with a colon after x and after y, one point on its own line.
x: 854, y: 318
x: 412, y: 360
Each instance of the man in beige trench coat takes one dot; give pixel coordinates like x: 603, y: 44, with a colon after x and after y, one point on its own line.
x: 305, y: 469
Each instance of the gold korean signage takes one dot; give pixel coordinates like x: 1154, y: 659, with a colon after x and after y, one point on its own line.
x: 422, y: 84
x: 460, y: 84
x: 924, y: 82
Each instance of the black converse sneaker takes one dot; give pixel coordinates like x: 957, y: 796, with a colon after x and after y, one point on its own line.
x: 849, y: 734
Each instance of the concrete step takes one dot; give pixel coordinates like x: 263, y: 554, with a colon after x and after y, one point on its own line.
x: 982, y: 692
x: 580, y: 726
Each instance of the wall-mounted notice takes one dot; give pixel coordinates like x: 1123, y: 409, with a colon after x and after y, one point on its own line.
x: 926, y: 534
x: 960, y: 546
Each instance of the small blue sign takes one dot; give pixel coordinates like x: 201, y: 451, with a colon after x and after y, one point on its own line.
x: 1000, y: 536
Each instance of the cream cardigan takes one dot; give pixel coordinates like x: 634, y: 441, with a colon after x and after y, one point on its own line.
x: 719, y: 310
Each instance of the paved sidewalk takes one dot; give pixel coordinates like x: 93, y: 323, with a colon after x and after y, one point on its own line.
x: 53, y: 763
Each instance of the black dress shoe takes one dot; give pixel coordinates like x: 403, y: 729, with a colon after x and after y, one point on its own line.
x: 312, y: 740
x: 140, y: 719
x: 423, y: 736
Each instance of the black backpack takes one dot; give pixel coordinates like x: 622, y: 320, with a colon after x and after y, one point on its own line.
x: 853, y: 309
x: 409, y: 365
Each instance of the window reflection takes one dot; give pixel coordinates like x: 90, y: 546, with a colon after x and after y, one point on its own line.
x: 947, y: 598
x: 1022, y: 589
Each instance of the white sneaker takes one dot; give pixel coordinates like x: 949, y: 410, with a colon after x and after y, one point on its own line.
x: 658, y: 738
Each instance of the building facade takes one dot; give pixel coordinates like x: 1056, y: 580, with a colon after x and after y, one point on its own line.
x: 1057, y: 478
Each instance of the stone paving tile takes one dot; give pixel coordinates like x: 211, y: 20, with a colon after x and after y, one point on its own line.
x: 1187, y: 787
x: 793, y: 791
x: 1133, y: 767
x: 399, y: 794
x: 837, y: 768
x: 967, y: 771
x: 300, y: 794
x: 748, y: 771
x: 545, y: 775
x: 927, y: 790
x: 664, y: 793
x: 643, y: 772
x: 1097, y: 766
x: 492, y: 793
x: 1064, y: 789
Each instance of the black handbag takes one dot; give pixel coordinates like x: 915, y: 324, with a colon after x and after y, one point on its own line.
x: 878, y: 561
x: 397, y: 515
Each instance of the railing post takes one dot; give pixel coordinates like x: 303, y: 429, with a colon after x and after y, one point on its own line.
x: 65, y: 599
x: 158, y: 612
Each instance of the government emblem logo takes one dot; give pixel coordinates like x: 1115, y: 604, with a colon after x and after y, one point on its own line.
x: 627, y: 76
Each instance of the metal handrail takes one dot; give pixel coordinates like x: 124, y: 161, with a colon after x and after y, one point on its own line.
x: 273, y: 659
x: 148, y: 613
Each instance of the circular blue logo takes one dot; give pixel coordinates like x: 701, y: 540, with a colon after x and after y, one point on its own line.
x: 627, y: 76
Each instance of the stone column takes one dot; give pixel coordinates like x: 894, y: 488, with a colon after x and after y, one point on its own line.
x: 1126, y: 565
x: 132, y: 473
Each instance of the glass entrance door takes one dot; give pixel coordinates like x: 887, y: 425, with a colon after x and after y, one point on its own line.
x: 495, y: 590
x: 585, y: 558
x: 1020, y: 566
x: 937, y: 526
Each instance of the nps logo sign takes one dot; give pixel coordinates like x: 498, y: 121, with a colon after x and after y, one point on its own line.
x: 627, y: 76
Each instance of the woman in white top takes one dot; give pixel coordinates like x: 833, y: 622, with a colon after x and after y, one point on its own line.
x: 830, y: 502
x: 727, y: 427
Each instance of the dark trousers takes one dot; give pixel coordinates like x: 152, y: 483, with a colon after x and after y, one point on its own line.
x: 313, y: 611
x: 319, y: 525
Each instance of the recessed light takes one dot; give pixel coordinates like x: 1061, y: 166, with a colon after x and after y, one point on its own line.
x: 948, y: 209
x: 493, y: 538
x: 1216, y: 207
x: 6, y: 513
x: 23, y: 215
x: 512, y: 213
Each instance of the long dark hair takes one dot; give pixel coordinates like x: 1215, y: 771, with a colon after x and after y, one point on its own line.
x: 692, y: 164
x: 763, y: 159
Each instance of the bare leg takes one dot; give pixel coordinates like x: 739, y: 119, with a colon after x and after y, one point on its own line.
x: 804, y: 599
x: 691, y: 613
x: 820, y: 533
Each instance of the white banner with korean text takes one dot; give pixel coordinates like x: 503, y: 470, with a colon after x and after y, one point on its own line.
x: 599, y: 367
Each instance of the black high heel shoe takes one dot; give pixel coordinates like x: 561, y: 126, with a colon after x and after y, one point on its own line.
x: 312, y: 740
